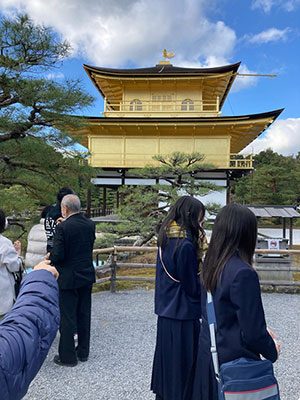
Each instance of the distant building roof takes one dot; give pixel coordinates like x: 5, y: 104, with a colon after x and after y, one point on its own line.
x: 274, y: 211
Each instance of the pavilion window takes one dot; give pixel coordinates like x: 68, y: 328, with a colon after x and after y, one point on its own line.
x: 187, y: 105
x: 136, y: 105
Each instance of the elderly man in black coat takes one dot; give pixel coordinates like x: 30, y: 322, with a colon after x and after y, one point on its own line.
x: 72, y: 255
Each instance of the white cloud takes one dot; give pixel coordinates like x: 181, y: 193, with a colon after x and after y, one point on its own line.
x: 267, y: 5
x: 283, y: 137
x: 291, y: 5
x: 270, y: 35
x: 54, y: 76
x: 116, y: 32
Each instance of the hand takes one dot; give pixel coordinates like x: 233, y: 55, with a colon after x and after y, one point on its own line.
x: 46, y: 265
x: 277, y: 348
x: 277, y: 344
x: 271, y: 333
x: 47, y: 256
x: 17, y: 246
x: 60, y: 219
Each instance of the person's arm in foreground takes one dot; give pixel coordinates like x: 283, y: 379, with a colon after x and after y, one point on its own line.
x: 28, y: 330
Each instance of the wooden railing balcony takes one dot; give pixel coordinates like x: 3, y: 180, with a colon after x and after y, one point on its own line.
x: 171, y: 108
x: 241, y: 161
x: 138, y: 160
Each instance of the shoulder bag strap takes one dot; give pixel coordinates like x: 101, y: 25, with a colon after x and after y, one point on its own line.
x: 211, y: 318
x: 164, y: 267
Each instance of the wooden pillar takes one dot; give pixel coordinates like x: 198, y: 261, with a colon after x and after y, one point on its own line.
x: 227, y: 189
x: 291, y: 233
x: 113, y: 266
x: 88, y: 203
x: 104, y: 201
x: 118, y: 198
x: 283, y: 228
x: 123, y: 183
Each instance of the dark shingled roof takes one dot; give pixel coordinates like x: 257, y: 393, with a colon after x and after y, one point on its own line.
x: 162, y: 69
x: 178, y: 120
x: 274, y: 211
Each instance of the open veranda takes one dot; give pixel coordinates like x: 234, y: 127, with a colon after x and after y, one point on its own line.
x: 122, y: 346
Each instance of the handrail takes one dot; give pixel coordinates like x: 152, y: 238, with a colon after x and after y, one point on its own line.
x: 154, y: 248
x: 114, y: 265
x: 163, y: 106
x: 220, y: 161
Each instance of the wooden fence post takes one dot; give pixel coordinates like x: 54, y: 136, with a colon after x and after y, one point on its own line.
x: 113, y: 266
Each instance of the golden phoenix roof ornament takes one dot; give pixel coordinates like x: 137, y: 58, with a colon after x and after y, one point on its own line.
x: 166, y: 55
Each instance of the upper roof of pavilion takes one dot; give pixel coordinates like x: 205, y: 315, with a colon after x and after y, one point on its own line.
x: 217, y: 81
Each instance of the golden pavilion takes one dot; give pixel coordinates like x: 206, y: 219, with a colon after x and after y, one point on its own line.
x: 163, y: 109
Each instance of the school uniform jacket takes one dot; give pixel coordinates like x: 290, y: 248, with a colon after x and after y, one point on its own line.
x: 175, y: 300
x: 241, y: 325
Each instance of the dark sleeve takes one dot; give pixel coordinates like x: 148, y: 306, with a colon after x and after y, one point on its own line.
x: 187, y: 267
x: 94, y: 230
x: 27, y: 332
x: 246, y: 297
x: 58, y: 252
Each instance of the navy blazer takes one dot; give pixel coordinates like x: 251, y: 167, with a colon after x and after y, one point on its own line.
x: 178, y: 300
x: 72, y: 252
x: 241, y: 325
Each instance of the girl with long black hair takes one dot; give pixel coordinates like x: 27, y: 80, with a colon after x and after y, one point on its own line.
x: 177, y: 297
x: 228, y: 274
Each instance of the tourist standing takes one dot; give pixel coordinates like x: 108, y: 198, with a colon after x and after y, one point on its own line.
x: 228, y: 274
x: 36, y: 244
x: 72, y: 255
x: 10, y: 263
x: 177, y: 298
x: 53, y: 215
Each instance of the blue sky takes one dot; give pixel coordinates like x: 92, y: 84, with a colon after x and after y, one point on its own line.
x: 263, y: 34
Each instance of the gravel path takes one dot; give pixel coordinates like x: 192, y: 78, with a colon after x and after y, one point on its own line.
x: 123, y: 338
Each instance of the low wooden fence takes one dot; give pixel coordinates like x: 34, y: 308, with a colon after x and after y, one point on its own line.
x: 113, y: 265
x: 98, y: 212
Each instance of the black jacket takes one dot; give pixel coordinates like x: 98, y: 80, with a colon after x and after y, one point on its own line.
x: 53, y: 213
x: 72, y: 252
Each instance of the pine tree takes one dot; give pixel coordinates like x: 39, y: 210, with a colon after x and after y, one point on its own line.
x: 145, y: 207
x: 36, y: 116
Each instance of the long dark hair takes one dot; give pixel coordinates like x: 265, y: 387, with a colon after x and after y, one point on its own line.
x: 185, y: 212
x: 2, y: 220
x: 235, y: 229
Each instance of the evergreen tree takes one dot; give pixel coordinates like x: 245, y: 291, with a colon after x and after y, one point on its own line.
x: 145, y: 207
x: 275, y: 180
x: 36, y: 148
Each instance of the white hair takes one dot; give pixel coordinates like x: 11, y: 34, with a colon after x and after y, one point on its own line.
x: 72, y: 202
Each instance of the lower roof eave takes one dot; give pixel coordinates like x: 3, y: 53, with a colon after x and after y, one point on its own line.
x: 146, y: 120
